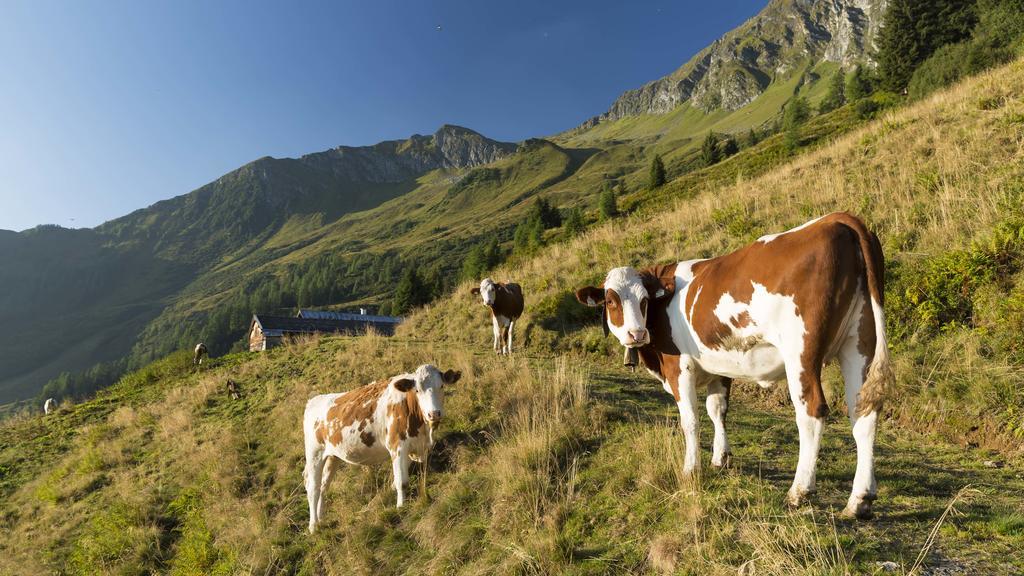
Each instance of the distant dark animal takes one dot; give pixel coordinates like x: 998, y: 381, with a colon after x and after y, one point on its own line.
x: 233, y: 390
x: 49, y: 406
x: 506, y: 304
x: 782, y: 307
x: 200, y: 353
x: 391, y: 419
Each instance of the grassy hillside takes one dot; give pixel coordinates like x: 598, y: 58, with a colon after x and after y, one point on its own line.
x: 544, y: 465
x: 559, y: 461
x: 942, y: 182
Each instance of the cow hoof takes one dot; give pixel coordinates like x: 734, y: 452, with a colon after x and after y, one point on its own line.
x: 797, y: 498
x: 859, y: 508
x: 723, y: 463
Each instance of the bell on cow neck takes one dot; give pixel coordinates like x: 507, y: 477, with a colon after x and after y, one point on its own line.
x: 631, y: 359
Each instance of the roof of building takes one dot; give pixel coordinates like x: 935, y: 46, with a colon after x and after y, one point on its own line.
x: 280, y: 325
x: 334, y: 315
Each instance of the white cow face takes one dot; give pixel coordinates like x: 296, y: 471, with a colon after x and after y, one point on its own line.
x: 429, y: 385
x: 626, y: 295
x: 488, y: 291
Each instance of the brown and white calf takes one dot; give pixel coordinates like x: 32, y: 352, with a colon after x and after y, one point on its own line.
x: 506, y: 304
x: 200, y: 353
x: 388, y: 419
x: 781, y: 307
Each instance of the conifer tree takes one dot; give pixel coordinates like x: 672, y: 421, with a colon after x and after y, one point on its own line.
x: 607, y: 205
x: 859, y: 85
x: 656, y: 177
x: 709, y: 149
x: 574, y: 224
x: 729, y: 147
x: 836, y: 95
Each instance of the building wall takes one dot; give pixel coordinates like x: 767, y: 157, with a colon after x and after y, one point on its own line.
x: 256, y: 340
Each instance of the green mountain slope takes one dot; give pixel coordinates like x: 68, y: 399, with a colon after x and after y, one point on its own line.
x: 78, y: 297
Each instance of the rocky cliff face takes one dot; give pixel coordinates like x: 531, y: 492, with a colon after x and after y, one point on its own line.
x: 740, y: 65
x: 450, y: 147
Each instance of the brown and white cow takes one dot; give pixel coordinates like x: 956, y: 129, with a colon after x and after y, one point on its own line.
x: 506, y: 304
x: 781, y: 307
x: 200, y: 353
x: 390, y: 419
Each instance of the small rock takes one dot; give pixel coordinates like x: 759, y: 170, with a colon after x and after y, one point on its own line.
x: 993, y: 464
x: 889, y: 566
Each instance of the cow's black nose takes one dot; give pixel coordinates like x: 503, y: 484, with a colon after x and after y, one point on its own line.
x: 434, y: 416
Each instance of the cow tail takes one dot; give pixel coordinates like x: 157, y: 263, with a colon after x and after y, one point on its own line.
x: 879, y: 380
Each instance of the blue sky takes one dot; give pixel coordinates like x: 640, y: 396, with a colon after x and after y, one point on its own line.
x: 107, y: 107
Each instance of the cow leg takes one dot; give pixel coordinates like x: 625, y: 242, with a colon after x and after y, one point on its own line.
x: 511, y: 324
x: 687, y: 404
x: 718, y: 406
x: 330, y: 467
x: 809, y: 424
x: 854, y: 366
x: 312, y: 476
x: 497, y: 332
x: 400, y: 465
x: 502, y: 335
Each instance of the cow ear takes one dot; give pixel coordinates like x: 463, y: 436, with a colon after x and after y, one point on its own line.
x: 591, y: 296
x: 404, y: 385
x: 658, y: 287
x: 451, y: 376
x: 475, y: 291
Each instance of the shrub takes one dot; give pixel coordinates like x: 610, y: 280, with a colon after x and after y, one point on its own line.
x: 942, y: 291
x: 729, y: 147
x: 736, y: 219
x: 866, y: 109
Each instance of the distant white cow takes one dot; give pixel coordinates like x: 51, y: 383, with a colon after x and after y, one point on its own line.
x: 200, y: 353
x: 49, y: 406
x: 370, y: 425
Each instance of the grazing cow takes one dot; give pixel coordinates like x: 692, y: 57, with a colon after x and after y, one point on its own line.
x: 370, y: 425
x: 781, y: 307
x: 49, y: 406
x: 233, y: 390
x: 506, y: 304
x: 200, y: 353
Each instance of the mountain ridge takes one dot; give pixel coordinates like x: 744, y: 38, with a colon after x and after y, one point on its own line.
x: 128, y: 269
x: 738, y: 67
